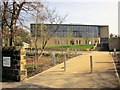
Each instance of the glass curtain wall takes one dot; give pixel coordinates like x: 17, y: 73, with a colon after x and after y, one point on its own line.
x: 78, y: 31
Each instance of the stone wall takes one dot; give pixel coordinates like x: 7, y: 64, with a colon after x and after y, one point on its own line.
x: 104, y: 31
x: 0, y: 64
x: 11, y: 64
x: 114, y: 43
x: 55, y: 41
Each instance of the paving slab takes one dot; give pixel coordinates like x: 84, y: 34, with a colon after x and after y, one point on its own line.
x: 77, y: 74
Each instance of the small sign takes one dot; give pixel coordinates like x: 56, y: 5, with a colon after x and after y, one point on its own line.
x: 114, y: 50
x: 6, y: 62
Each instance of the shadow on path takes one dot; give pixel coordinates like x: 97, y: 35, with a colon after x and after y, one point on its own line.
x: 29, y: 85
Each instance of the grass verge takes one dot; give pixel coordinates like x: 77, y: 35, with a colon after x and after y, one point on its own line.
x: 83, y: 47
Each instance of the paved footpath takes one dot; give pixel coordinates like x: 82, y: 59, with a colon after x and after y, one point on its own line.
x: 78, y: 73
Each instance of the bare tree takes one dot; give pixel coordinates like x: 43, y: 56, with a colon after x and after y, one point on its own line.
x: 11, y: 12
x: 69, y: 35
x: 49, y: 31
x: 45, y: 31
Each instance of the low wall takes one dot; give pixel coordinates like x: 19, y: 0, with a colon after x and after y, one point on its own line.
x: 13, y: 64
x: 114, y: 43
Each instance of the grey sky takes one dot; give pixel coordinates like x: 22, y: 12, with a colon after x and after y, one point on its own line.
x: 98, y: 12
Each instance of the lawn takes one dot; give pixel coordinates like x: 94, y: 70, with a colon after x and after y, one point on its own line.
x: 85, y: 46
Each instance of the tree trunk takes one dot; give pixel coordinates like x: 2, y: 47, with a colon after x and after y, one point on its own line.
x: 10, y: 40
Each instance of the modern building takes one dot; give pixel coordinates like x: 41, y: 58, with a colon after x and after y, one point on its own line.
x: 73, y: 34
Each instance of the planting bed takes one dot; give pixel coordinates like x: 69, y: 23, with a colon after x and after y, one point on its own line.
x: 34, y: 66
x: 117, y: 62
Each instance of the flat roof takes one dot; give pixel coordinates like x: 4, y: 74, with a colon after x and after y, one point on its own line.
x: 75, y: 24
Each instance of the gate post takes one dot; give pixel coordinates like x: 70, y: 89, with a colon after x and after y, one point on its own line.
x: 23, y: 70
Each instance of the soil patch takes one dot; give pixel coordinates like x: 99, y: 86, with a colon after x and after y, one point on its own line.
x: 35, y: 66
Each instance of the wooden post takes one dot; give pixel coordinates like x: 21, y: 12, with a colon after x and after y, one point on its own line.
x: 91, y: 66
x: 65, y: 62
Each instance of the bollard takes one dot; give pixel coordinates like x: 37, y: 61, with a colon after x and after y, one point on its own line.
x: 53, y: 59
x: 114, y: 52
x: 64, y: 62
x: 91, y: 66
x: 75, y: 51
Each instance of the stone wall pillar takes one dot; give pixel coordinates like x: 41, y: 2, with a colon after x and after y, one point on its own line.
x: 23, y: 70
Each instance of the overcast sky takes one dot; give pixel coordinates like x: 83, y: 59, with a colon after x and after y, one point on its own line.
x: 94, y: 12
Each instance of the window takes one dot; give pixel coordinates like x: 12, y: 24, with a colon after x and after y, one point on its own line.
x: 74, y: 33
x: 31, y: 26
x: 86, y: 42
x: 58, y: 42
x: 77, y: 42
x: 55, y: 42
x: 72, y: 42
